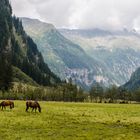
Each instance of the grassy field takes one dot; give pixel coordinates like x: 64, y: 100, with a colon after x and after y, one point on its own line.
x: 71, y: 121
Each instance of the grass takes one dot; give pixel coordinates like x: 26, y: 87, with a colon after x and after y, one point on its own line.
x: 71, y: 121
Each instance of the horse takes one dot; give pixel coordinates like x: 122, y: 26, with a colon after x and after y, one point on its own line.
x: 3, y: 104
x: 33, y: 105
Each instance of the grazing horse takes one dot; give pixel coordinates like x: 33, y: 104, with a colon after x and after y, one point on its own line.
x: 3, y: 104
x: 33, y: 105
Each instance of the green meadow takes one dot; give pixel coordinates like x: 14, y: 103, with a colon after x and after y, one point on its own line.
x: 71, y: 121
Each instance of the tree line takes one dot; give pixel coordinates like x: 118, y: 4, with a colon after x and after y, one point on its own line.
x: 66, y: 92
x: 69, y: 92
x: 113, y: 94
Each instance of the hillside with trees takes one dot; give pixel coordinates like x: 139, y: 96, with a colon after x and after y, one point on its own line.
x: 134, y: 82
x: 18, y: 49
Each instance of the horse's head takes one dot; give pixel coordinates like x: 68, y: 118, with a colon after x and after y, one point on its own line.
x: 39, y: 108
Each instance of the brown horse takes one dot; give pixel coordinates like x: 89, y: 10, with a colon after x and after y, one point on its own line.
x: 3, y: 104
x: 33, y: 105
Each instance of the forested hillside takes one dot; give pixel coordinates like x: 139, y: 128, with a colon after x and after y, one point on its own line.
x: 134, y: 83
x: 18, y: 49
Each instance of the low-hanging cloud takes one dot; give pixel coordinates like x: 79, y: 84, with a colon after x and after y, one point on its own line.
x: 105, y: 14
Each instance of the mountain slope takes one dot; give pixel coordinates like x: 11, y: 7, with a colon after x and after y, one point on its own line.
x: 19, y: 50
x: 19, y: 76
x: 54, y: 44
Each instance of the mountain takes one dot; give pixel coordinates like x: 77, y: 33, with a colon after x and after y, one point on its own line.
x: 18, y: 52
x: 119, y: 51
x: 88, y: 56
x: 134, y: 82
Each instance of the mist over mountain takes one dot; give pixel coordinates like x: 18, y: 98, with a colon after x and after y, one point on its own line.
x: 119, y: 50
x: 82, y: 14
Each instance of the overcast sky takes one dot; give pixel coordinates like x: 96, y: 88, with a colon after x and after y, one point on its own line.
x: 105, y: 14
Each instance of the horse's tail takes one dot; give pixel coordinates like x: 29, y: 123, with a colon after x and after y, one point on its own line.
x: 1, y: 104
x: 27, y: 105
x: 39, y: 108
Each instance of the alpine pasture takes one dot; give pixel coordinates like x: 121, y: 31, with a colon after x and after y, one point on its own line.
x: 71, y: 121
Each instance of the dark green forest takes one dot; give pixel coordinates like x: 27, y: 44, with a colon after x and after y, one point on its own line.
x: 5, y: 45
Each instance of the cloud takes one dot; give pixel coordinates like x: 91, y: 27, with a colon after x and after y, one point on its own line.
x: 23, y: 8
x: 106, y: 14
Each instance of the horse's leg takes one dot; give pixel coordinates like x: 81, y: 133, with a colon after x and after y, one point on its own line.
x: 2, y: 107
x: 27, y: 108
x: 11, y: 106
x: 33, y: 109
